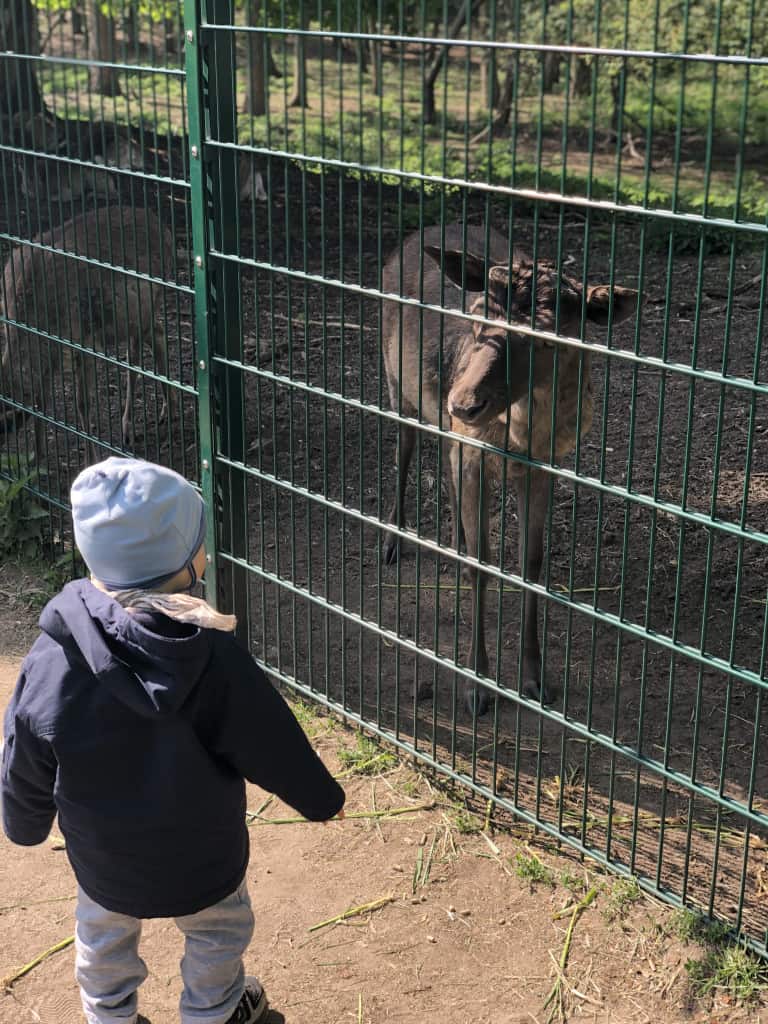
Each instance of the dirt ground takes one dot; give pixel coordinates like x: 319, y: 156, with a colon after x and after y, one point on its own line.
x: 463, y: 937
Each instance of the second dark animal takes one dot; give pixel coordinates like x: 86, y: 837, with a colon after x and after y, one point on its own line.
x: 60, y: 294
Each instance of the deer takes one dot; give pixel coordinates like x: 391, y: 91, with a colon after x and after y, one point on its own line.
x: 476, y: 383
x: 58, y: 293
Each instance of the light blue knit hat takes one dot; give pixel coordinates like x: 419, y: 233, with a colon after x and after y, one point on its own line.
x: 136, y: 524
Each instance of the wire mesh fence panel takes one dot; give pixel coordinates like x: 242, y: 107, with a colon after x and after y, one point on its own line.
x: 479, y: 311
x: 536, y: 557
x: 94, y: 218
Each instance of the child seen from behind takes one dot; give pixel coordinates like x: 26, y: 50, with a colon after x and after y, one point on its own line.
x: 138, y: 717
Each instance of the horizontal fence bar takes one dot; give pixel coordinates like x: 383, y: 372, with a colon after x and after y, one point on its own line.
x: 40, y: 495
x: 595, y: 348
x: 633, y: 629
x: 131, y: 172
x: 560, y: 472
x: 87, y: 63
x: 52, y: 421
x: 93, y: 261
x: 554, y: 717
x: 115, y: 361
x: 566, y: 49
x: 507, y: 191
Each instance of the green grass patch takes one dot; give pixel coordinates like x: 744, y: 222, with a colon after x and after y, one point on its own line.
x: 308, y: 718
x: 575, y: 884
x: 465, y: 822
x: 621, y: 897
x: 530, y: 868
x: 692, y: 927
x: 732, y: 971
x: 365, y: 758
x: 727, y: 967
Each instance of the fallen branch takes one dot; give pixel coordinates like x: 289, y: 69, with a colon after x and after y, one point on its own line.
x: 253, y: 815
x: 300, y: 322
x: 559, y: 588
x: 391, y: 812
x: 364, y: 908
x: 556, y: 993
x: 10, y: 980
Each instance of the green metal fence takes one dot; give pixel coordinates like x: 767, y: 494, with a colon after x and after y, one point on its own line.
x: 292, y: 151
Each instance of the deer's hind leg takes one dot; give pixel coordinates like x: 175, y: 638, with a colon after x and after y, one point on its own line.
x: 86, y: 394
x: 406, y: 443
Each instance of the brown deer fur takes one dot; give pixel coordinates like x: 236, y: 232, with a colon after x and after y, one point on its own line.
x: 477, y: 384
x: 90, y: 305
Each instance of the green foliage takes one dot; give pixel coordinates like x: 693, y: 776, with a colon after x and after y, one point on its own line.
x: 575, y: 884
x: 731, y: 970
x: 727, y: 967
x: 465, y: 823
x: 366, y: 758
x: 692, y: 927
x: 532, y: 869
x: 23, y: 520
x: 51, y: 577
x: 146, y: 10
x: 308, y: 718
x: 633, y: 24
x: 623, y: 894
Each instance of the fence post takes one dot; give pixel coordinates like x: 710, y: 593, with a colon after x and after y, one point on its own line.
x: 210, y: 67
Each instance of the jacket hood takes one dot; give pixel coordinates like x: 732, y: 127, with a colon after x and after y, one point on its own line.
x: 150, y: 673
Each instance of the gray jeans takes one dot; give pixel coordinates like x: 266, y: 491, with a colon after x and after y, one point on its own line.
x: 109, y: 970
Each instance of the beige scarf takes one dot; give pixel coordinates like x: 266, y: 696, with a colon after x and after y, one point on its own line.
x: 182, y: 607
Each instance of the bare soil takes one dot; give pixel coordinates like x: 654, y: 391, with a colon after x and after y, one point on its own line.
x: 474, y: 942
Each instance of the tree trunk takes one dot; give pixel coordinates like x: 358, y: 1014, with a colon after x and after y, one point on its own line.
x: 274, y: 70
x: 18, y: 82
x: 551, y: 70
x: 615, y: 82
x: 361, y: 52
x: 489, y: 80
x: 505, y: 99
x: 174, y: 33
x: 581, y: 78
x: 101, y: 47
x: 375, y: 52
x: 428, y: 85
x: 78, y: 21
x: 299, y: 95
x: 255, y: 99
x: 131, y: 26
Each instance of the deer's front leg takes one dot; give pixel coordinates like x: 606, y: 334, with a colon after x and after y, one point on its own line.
x: 532, y: 511
x: 470, y: 484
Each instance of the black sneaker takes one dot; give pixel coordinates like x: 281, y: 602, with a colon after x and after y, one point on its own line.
x: 253, y: 1006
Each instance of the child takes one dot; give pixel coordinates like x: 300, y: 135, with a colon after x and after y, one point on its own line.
x: 137, y: 717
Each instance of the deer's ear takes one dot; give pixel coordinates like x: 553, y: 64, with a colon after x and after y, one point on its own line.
x: 599, y: 301
x: 464, y: 269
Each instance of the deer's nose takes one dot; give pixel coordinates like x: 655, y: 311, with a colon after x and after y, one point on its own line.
x: 465, y: 411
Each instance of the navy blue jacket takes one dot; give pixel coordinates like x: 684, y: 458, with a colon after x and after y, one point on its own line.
x: 140, y: 732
